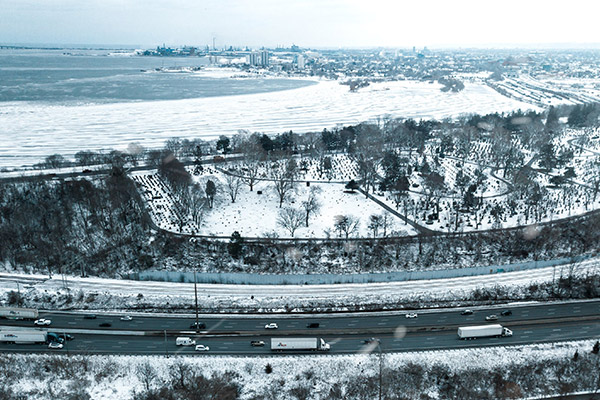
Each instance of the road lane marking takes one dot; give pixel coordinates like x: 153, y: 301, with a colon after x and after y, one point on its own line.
x: 556, y: 330
x: 528, y: 332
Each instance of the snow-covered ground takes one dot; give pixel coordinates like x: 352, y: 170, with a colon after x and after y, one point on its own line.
x: 27, y: 128
x: 117, y: 377
x: 255, y: 213
x: 107, y: 294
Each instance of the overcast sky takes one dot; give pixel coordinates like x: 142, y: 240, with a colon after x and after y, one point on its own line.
x: 307, y: 23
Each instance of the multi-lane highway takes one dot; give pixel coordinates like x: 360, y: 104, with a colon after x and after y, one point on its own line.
x: 231, y: 334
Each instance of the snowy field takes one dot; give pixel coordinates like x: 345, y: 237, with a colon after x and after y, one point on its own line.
x: 31, y: 131
x: 256, y: 215
x: 315, y: 376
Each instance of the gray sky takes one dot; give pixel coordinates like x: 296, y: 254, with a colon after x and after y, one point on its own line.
x: 307, y: 23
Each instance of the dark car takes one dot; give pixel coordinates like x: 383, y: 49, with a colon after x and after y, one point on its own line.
x: 257, y: 343
x: 371, y: 340
x: 506, y: 313
x: 105, y: 324
x: 467, y: 312
x: 201, y: 325
x: 55, y: 337
x: 313, y: 325
x: 89, y: 316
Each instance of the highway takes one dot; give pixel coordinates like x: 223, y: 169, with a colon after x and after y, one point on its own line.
x: 431, y: 330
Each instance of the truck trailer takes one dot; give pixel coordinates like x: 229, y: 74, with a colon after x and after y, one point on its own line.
x: 316, y: 344
x: 18, y: 313
x: 23, y: 336
x: 482, y: 331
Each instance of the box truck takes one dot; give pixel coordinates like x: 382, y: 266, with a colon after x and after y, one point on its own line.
x: 185, y: 341
x: 280, y: 344
x: 474, y: 332
x: 18, y: 313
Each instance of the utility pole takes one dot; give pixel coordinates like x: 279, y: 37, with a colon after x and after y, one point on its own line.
x: 65, y: 338
x: 196, y: 296
x: 380, y: 369
x: 166, y: 347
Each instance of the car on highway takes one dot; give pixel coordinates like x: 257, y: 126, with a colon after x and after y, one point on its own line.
x: 55, y: 345
x: 506, y: 313
x: 62, y: 335
x: 42, y: 322
x: 126, y: 318
x: 89, y: 316
x: 54, y: 337
x: 201, y: 347
x: 257, y: 343
x: 411, y: 315
x: 201, y: 325
x: 272, y: 325
x: 105, y: 325
x: 492, y: 317
x: 467, y: 312
x: 371, y: 340
x: 313, y: 325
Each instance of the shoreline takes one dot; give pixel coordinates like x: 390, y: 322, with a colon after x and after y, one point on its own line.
x: 324, y: 105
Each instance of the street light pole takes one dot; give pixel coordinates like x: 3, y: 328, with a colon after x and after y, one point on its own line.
x: 65, y: 339
x: 166, y: 346
x: 196, y: 296
x: 380, y: 369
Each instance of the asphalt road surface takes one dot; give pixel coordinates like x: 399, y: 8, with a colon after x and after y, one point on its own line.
x: 431, y: 330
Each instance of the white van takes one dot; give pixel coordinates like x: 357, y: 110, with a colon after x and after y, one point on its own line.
x: 185, y: 341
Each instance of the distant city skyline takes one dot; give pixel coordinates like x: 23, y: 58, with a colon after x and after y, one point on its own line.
x: 307, y: 23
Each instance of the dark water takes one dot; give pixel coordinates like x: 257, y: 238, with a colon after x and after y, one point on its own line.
x: 92, y: 76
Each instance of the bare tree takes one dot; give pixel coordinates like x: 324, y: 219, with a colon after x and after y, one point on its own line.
x: 387, y: 223
x: 146, y: 374
x: 251, y: 174
x: 311, y: 205
x: 233, y: 184
x: 346, y: 225
x: 281, y: 181
x: 374, y: 224
x: 196, y: 203
x: 290, y: 219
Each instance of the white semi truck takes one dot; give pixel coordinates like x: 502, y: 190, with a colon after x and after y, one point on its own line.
x: 23, y: 336
x: 281, y: 344
x: 482, y: 331
x: 18, y: 313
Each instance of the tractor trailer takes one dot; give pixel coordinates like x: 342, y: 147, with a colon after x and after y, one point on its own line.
x: 281, y: 344
x: 23, y: 336
x: 18, y: 313
x: 482, y: 331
